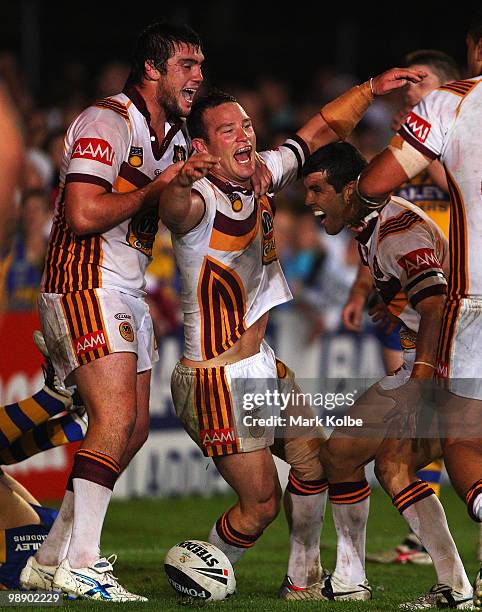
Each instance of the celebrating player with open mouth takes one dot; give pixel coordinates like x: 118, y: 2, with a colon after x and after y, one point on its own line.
x: 223, y: 237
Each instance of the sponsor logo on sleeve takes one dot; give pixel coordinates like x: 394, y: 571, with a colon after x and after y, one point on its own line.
x: 217, y: 437
x: 416, y: 261
x: 89, y: 342
x: 442, y: 369
x: 419, y: 127
x: 95, y: 149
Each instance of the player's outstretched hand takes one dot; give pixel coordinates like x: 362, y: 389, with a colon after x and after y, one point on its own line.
x: 262, y: 177
x: 195, y: 168
x: 395, y: 78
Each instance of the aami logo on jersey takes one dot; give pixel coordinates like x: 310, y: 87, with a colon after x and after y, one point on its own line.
x: 89, y: 342
x: 217, y: 437
x: 419, y: 260
x: 418, y: 126
x: 93, y: 148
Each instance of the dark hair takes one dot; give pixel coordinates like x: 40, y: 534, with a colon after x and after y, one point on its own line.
x: 444, y: 66
x: 156, y: 44
x: 341, y: 161
x: 195, y: 121
x: 475, y: 26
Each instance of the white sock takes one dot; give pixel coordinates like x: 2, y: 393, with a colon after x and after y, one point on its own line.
x: 350, y: 524
x: 305, y: 515
x: 91, y: 501
x: 427, y: 519
x: 233, y: 553
x: 477, y: 506
x: 54, y: 547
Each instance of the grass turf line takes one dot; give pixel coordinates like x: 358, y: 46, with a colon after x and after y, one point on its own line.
x: 141, y: 531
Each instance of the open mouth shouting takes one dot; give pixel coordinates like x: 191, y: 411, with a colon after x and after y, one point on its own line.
x: 188, y: 94
x: 243, y: 154
x: 320, y: 215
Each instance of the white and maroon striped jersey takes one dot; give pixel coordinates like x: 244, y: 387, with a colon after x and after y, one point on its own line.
x: 229, y: 266
x: 447, y: 125
x: 405, y: 251
x: 110, y: 144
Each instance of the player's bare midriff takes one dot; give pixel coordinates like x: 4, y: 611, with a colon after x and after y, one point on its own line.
x: 247, y: 346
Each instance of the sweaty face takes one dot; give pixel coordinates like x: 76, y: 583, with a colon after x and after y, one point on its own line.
x: 325, y: 203
x: 176, y: 88
x: 231, y: 137
x: 414, y: 92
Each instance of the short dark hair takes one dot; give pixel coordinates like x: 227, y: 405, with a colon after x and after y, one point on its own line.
x: 195, y: 121
x: 156, y: 44
x: 341, y: 161
x: 475, y: 26
x: 444, y: 66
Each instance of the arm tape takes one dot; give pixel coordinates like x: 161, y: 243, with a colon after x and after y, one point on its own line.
x: 411, y: 160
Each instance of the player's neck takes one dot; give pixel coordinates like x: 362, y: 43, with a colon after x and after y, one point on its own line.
x: 157, y: 113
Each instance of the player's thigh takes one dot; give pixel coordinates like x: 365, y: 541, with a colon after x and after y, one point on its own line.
x: 252, y: 475
x: 108, y: 386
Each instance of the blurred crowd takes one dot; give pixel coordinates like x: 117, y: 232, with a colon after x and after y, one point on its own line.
x: 319, y: 271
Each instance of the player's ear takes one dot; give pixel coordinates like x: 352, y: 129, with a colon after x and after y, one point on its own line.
x: 199, y: 145
x: 150, y: 71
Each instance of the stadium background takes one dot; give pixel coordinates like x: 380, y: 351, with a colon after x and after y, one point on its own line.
x: 282, y: 65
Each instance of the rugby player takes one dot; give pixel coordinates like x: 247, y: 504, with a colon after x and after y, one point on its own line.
x: 429, y: 191
x: 446, y: 126
x: 95, y: 320
x: 223, y: 238
x: 405, y: 252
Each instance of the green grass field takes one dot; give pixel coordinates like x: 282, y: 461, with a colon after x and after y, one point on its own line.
x: 141, y: 531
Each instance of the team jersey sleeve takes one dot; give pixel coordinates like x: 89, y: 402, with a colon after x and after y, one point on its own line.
x: 204, y: 190
x: 97, y: 143
x: 428, y: 123
x: 415, y: 258
x: 286, y: 162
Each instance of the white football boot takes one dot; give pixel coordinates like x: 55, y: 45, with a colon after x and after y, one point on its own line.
x: 441, y: 596
x: 478, y: 591
x: 335, y: 589
x: 37, y: 576
x: 94, y: 582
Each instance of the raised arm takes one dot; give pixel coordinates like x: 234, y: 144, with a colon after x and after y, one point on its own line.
x: 337, y: 119
x: 180, y: 208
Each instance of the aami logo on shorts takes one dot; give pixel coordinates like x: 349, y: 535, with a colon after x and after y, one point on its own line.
x: 217, y: 437
x: 419, y: 260
x: 89, y: 342
x: 418, y: 126
x: 93, y: 148
x: 442, y: 369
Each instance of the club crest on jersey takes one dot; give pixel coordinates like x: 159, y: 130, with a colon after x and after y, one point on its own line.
x: 179, y: 154
x: 142, y: 231
x: 136, y: 157
x: 95, y: 149
x: 267, y: 225
x: 126, y: 331
x: 419, y: 127
x: 236, y: 202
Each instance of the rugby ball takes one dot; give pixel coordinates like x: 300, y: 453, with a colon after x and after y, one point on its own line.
x: 200, y: 570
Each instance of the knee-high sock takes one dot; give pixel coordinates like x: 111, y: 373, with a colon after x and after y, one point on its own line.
x: 424, y: 513
x: 93, y: 476
x: 54, y: 547
x: 16, y: 419
x: 350, y: 506
x: 305, y: 503
x: 54, y: 432
x: 233, y: 543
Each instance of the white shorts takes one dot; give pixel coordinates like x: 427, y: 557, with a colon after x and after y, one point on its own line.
x: 82, y: 326
x: 211, y: 404
x: 459, y: 353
